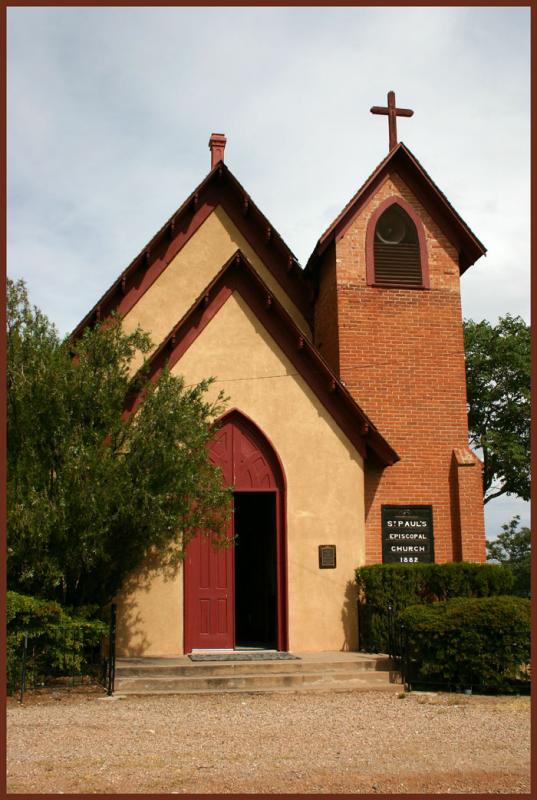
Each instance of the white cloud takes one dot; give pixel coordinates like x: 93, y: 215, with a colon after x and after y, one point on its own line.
x: 502, y: 510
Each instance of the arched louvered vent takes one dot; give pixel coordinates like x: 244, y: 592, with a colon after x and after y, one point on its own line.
x: 396, y: 249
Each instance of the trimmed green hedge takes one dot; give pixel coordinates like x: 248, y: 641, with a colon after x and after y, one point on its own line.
x: 402, y: 585
x: 521, y: 573
x: 58, y: 643
x: 481, y: 642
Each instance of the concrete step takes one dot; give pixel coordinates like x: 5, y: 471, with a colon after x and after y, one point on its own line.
x: 257, y: 682
x: 307, y: 688
x: 163, y: 668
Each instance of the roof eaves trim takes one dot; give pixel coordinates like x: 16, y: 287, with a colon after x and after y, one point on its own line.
x: 237, y: 274
x: 402, y: 160
x: 219, y: 187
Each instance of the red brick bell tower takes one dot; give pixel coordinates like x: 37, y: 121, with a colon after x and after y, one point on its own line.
x: 388, y: 321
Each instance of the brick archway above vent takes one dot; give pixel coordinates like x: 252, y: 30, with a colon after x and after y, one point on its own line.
x: 372, y: 252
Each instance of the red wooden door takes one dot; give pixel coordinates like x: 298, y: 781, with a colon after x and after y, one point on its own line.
x: 209, y: 578
x: 210, y: 615
x: 248, y: 463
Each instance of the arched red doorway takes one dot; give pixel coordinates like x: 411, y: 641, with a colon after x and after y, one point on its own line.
x: 237, y: 596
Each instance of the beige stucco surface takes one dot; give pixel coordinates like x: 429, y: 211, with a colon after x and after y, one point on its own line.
x: 150, y: 612
x: 325, y: 503
x: 192, y: 269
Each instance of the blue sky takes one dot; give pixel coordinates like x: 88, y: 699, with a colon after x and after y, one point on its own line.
x: 110, y: 111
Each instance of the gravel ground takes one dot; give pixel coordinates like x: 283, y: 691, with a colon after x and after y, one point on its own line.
x: 275, y: 743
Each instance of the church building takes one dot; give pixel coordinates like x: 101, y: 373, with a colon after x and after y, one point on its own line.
x: 345, y: 435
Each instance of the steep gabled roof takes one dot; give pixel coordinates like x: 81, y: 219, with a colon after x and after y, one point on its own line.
x: 219, y: 188
x: 237, y: 274
x: 405, y: 164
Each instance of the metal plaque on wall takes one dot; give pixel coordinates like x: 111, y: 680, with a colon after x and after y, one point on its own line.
x: 407, y: 534
x: 327, y: 556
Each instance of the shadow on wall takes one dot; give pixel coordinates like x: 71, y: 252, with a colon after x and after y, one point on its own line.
x: 349, y: 617
x: 131, y: 631
x: 373, y: 477
x: 456, y: 547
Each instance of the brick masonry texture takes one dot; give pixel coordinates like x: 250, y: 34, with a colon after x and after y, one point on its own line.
x: 400, y: 353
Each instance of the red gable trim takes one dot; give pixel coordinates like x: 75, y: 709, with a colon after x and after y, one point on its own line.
x: 404, y: 163
x: 238, y: 275
x: 220, y: 187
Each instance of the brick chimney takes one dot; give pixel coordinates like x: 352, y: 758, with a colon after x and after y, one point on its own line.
x: 217, y: 143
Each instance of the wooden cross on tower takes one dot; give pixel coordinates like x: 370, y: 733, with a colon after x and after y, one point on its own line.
x: 392, y: 113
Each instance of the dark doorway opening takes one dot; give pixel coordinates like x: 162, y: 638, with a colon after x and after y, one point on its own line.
x: 255, y: 569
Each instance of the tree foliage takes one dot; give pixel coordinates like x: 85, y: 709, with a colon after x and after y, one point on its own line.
x: 90, y: 494
x: 512, y: 547
x: 498, y: 379
x: 59, y: 643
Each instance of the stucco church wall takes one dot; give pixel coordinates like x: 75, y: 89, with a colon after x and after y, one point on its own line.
x: 401, y: 355
x: 325, y: 497
x: 191, y: 270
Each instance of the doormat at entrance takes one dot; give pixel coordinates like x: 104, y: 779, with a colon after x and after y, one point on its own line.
x: 243, y: 657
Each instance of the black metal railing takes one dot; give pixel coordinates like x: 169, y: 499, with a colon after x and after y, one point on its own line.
x: 398, y: 647
x: 379, y: 631
x: 375, y: 628
x: 111, y: 660
x: 77, y: 657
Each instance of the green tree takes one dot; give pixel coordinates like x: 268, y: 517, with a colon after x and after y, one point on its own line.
x: 498, y: 380
x: 90, y: 493
x: 512, y: 547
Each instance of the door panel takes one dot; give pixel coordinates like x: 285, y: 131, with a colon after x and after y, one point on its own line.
x: 209, y: 622
x: 248, y: 463
x: 251, y: 466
